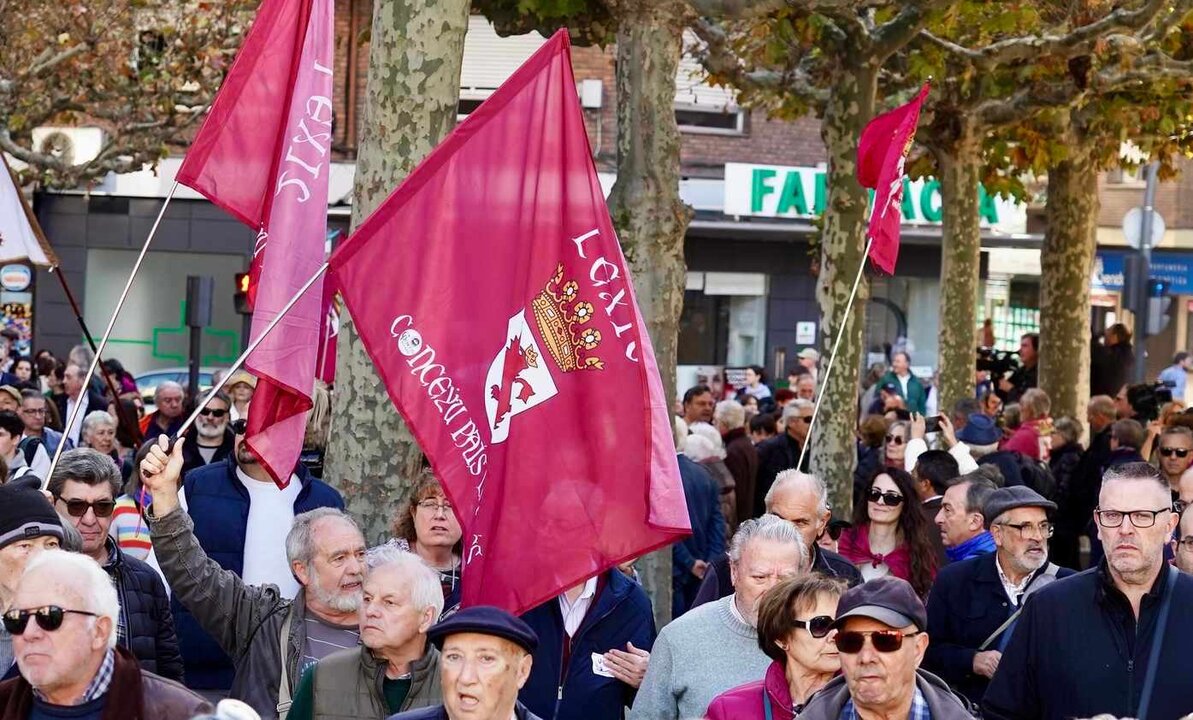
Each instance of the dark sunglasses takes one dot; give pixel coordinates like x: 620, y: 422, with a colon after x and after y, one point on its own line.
x: 208, y: 412
x: 884, y: 641
x: 897, y: 439
x: 889, y: 499
x: 79, y: 508
x: 239, y: 426
x: 1170, y: 451
x: 806, y: 418
x: 818, y: 626
x: 49, y: 618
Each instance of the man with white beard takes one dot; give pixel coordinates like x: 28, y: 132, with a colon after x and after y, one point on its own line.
x: 211, y: 439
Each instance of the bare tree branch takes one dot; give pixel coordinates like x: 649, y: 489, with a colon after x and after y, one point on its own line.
x: 41, y: 66
x: 718, y: 59
x: 898, y: 31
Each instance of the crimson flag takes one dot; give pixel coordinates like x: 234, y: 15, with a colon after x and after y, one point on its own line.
x: 881, y: 152
x: 507, y: 334
x: 263, y: 154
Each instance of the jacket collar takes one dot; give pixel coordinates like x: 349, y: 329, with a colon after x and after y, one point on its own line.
x: 775, y: 685
x: 300, y: 471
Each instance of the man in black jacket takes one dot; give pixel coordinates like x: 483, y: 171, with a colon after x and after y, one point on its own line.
x: 84, y: 487
x: 782, y: 451
x: 211, y: 439
x: 1076, y: 507
x: 1113, y: 638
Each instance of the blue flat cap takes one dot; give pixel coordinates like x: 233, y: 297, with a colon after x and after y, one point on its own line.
x: 1009, y: 498
x: 979, y: 430
x: 485, y: 620
x: 889, y: 600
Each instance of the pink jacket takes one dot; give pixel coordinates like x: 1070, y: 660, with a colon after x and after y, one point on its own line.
x: 1025, y: 439
x: 745, y: 702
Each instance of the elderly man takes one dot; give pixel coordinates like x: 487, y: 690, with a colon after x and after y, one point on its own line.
x: 782, y: 451
x: 973, y: 602
x: 28, y: 526
x: 33, y: 414
x: 167, y: 417
x: 485, y: 658
x: 715, y: 647
x: 76, y: 395
x: 740, y: 456
x: 84, y: 486
x: 210, y: 440
x: 802, y: 500
x: 63, y: 620
x: 395, y: 669
x: 1112, y: 639
x: 881, y: 641
x: 962, y: 525
x: 254, y: 624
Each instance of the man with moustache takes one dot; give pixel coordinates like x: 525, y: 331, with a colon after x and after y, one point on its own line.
x: 972, y: 603
x: 211, y: 439
x: 1112, y: 639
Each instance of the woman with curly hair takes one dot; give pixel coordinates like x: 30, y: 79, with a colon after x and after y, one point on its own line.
x: 427, y: 526
x: 890, y: 535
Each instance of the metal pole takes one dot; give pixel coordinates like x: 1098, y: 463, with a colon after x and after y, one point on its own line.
x: 252, y: 346
x: 832, y: 359
x: 1143, y: 294
x: 103, y: 343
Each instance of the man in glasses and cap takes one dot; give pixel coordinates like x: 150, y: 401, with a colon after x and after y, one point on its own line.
x: 210, y: 439
x: 28, y: 526
x: 84, y: 487
x: 881, y: 639
x: 64, y: 622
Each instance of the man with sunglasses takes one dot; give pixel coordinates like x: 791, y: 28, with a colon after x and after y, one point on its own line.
x: 1176, y: 455
x: 881, y: 639
x: 84, y: 487
x: 1113, y: 639
x: 210, y: 439
x: 972, y: 602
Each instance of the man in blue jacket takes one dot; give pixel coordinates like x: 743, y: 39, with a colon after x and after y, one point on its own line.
x: 241, y: 520
x: 594, y: 642
x: 1113, y: 639
x: 690, y: 559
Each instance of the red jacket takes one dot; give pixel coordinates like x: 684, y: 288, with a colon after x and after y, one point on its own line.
x: 746, y: 701
x: 1025, y: 439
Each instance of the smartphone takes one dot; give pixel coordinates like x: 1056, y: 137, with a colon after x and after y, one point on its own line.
x: 932, y: 424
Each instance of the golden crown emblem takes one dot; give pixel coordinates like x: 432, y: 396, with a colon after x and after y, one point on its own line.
x: 562, y: 317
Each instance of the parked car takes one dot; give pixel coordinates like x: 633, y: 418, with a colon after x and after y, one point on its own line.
x: 148, y: 381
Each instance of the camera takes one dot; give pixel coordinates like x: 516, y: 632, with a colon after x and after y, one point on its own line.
x: 999, y: 363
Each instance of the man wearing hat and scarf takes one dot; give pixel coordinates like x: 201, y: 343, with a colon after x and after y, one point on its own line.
x: 28, y: 526
x: 881, y: 639
x: 974, y: 604
x: 485, y: 655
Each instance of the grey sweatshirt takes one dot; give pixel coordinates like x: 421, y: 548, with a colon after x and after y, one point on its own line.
x: 696, y: 658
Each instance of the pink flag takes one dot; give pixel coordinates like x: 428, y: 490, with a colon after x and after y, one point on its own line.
x: 881, y: 152
x: 326, y: 365
x: 507, y: 335
x: 263, y: 154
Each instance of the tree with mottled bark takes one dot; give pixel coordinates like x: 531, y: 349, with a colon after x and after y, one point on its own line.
x: 415, y: 53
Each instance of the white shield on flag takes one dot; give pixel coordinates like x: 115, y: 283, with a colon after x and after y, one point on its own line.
x: 518, y: 378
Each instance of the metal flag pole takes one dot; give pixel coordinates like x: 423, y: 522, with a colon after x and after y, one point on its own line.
x: 103, y: 343
x: 252, y: 346
x: 832, y: 359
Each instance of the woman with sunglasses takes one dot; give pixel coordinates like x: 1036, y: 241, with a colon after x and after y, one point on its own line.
x: 794, y: 621
x: 427, y: 526
x: 895, y: 447
x: 890, y: 535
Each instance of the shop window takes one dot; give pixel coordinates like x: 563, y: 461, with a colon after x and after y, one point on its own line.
x: 708, y: 120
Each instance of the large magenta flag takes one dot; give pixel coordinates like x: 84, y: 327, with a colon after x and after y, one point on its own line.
x: 492, y: 295
x: 881, y: 152
x: 263, y: 154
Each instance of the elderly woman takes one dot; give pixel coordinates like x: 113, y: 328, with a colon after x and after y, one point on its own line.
x: 890, y: 536
x: 427, y: 527
x: 240, y: 388
x: 793, y: 630
x: 704, y: 445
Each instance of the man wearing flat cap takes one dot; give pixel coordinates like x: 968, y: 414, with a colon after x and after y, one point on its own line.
x: 972, y: 604
x: 484, y: 660
x: 881, y: 639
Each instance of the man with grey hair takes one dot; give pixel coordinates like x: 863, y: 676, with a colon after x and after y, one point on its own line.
x: 962, y: 526
x: 63, y: 620
x: 85, y: 486
x: 273, y: 639
x: 77, y: 398
x: 802, y: 500
x: 782, y: 451
x: 166, y: 419
x: 715, y: 647
x: 395, y: 669
x: 741, y: 457
x: 211, y: 439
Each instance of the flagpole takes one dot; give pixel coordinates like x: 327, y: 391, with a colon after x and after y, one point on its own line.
x: 253, y: 346
x: 103, y: 343
x: 832, y: 359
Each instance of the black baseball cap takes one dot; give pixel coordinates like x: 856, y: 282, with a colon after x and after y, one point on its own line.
x: 889, y: 600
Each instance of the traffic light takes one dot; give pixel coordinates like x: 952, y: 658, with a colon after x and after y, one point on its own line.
x: 242, y: 298
x: 1159, y: 306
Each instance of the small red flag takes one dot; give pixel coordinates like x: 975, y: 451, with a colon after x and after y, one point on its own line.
x: 492, y: 295
x: 881, y: 152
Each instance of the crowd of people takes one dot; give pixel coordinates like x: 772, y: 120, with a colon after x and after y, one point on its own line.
x: 179, y: 581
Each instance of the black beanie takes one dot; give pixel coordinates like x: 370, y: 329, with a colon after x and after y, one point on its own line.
x: 25, y: 513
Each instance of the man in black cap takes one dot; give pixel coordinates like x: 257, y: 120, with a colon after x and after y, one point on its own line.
x: 881, y: 640
x: 485, y: 655
x: 975, y: 603
x: 28, y: 526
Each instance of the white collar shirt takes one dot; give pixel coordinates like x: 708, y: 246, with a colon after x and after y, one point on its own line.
x: 574, y: 612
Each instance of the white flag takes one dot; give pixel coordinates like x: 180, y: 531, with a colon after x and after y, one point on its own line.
x: 20, y: 236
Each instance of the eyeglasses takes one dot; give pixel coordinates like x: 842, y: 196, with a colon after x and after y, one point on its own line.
x: 433, y: 506
x: 239, y: 426
x: 884, y: 641
x: 817, y: 627
x: 1044, y: 529
x: 79, y: 508
x: 1139, y: 518
x: 49, y: 618
x: 208, y: 412
x: 897, y: 439
x: 889, y: 499
x: 1170, y: 451
x: 33, y: 411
